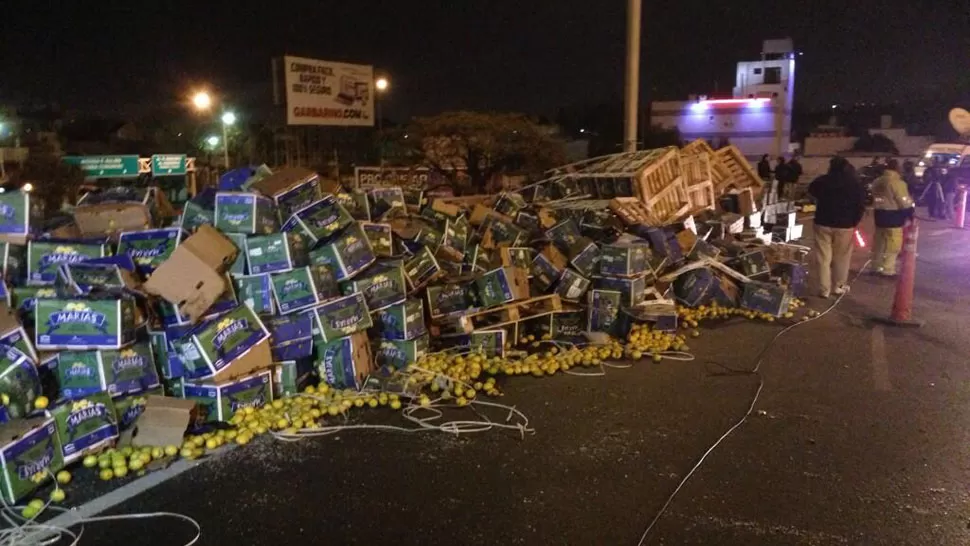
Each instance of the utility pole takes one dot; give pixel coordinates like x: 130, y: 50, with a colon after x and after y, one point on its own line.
x: 632, y: 90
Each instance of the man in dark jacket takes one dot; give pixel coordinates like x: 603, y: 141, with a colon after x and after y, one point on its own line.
x: 764, y: 168
x: 783, y: 174
x: 841, y: 201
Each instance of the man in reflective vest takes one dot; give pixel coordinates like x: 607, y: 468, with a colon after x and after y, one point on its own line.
x: 893, y: 209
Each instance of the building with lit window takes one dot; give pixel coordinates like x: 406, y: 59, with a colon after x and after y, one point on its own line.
x: 756, y: 117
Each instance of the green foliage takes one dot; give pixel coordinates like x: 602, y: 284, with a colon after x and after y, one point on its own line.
x: 875, y: 143
x: 54, y: 181
x: 482, y: 145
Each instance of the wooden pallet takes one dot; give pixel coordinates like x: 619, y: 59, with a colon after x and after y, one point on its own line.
x: 670, y: 203
x: 631, y: 211
x: 661, y: 171
x: 743, y: 174
x: 695, y: 168
x: 701, y: 197
x: 720, y: 173
x: 510, y: 313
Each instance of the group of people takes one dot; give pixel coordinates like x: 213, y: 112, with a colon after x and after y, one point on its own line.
x: 941, y: 189
x: 841, y: 204
x: 786, y: 173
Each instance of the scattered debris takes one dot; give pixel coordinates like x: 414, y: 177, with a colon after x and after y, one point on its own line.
x: 279, y: 303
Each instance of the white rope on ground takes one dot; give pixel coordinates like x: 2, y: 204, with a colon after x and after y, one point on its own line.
x: 29, y: 532
x: 427, y: 423
x: 759, y: 359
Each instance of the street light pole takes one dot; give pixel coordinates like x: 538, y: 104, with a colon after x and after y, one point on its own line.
x: 632, y: 90
x: 228, y: 118
x: 381, y: 85
x: 225, y: 146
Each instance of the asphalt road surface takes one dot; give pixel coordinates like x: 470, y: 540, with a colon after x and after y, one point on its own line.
x: 859, y: 437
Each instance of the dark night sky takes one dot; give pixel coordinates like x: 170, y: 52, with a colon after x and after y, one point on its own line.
x: 497, y: 54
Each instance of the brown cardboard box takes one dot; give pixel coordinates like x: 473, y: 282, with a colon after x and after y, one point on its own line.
x: 192, y: 278
x: 111, y: 218
x: 557, y: 258
x: 686, y: 239
x: 163, y: 422
x: 282, y: 180
x: 448, y: 209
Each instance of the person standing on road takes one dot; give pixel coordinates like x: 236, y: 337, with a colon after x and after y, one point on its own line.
x: 932, y: 195
x: 950, y: 182
x: 841, y: 202
x: 893, y: 209
x: 783, y: 174
x: 764, y: 168
x: 794, y: 173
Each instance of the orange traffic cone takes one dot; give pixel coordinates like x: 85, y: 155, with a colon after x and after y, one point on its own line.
x: 902, y: 313
x: 961, y: 214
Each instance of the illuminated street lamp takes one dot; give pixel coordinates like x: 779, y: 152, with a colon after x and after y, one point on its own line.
x: 381, y: 84
x: 202, y: 101
x: 212, y: 141
x: 28, y: 187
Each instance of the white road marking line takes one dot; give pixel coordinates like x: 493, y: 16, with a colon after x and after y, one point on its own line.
x: 109, y: 500
x: 880, y: 366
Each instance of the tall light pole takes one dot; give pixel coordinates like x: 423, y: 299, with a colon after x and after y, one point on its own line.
x: 381, y: 85
x: 632, y: 90
x: 228, y: 118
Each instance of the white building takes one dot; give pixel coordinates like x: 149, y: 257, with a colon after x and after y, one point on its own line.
x: 756, y: 118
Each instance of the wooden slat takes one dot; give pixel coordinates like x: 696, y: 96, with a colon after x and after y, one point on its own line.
x: 701, y: 196
x: 743, y: 174
x: 695, y: 169
x: 510, y: 312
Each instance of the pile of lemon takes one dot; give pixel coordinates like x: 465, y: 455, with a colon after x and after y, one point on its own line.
x: 690, y: 317
x: 120, y: 462
x: 294, y: 413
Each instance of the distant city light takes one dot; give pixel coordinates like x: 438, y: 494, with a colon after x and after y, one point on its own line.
x: 228, y: 118
x: 753, y: 102
x: 582, y: 130
x: 834, y: 106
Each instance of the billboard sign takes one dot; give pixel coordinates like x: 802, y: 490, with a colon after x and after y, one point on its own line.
x: 106, y: 166
x: 328, y: 93
x: 169, y: 164
x: 405, y: 177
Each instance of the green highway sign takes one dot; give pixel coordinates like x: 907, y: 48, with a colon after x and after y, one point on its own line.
x: 106, y: 166
x: 169, y: 164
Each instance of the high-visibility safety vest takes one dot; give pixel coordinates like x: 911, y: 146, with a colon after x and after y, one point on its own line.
x: 891, y: 200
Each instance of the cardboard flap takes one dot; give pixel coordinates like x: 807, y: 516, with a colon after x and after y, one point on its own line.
x: 163, y: 207
x: 282, y: 180
x: 188, y: 283
x: 362, y: 356
x: 258, y: 357
x: 213, y: 248
x: 191, y: 278
x: 8, y: 319
x: 163, y: 422
x: 111, y: 218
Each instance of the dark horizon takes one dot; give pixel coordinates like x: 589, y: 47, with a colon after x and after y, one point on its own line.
x: 124, y: 61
